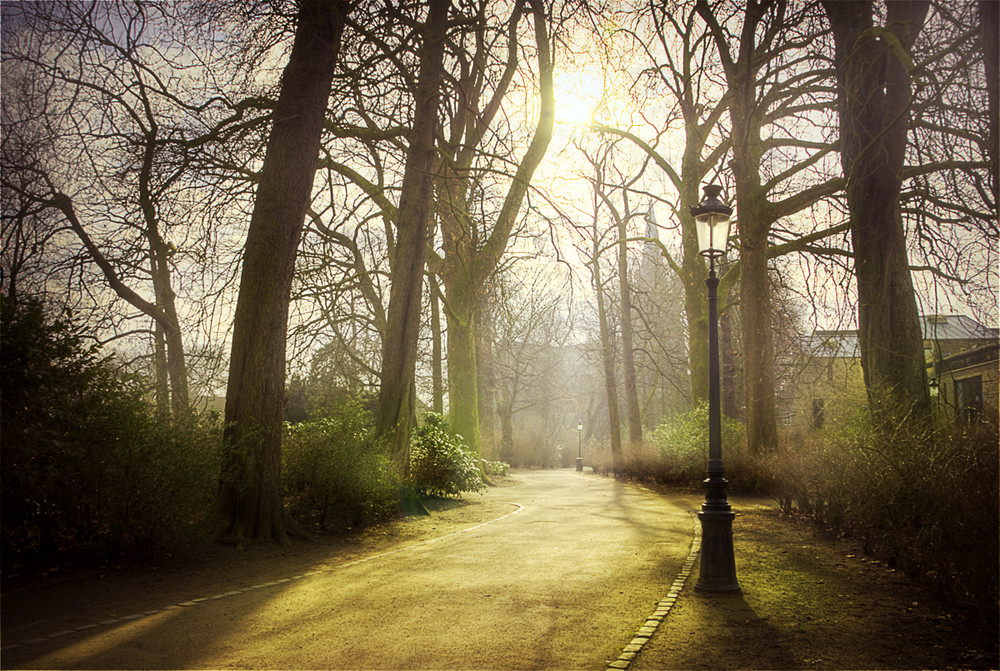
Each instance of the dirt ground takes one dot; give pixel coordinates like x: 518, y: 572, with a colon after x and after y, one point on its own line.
x: 809, y: 600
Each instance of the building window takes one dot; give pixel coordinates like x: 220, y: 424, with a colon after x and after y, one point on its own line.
x: 969, y: 397
x: 819, y: 412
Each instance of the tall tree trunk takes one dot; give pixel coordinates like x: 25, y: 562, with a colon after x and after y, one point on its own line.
x: 437, y: 349
x: 754, y: 213
x: 175, y: 359
x: 485, y: 375
x: 506, y: 433
x: 249, y: 503
x: 397, y: 394
x: 628, y: 353
x: 730, y: 407
x: 162, y: 288
x: 607, y: 357
x: 463, y: 385
x: 874, y: 100
x: 161, y: 383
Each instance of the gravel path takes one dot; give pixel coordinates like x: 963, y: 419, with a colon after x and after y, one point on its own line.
x: 561, y: 573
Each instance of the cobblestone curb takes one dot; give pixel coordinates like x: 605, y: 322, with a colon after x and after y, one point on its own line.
x: 649, y: 627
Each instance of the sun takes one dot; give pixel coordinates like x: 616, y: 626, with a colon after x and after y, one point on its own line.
x: 574, y: 111
x: 577, y: 97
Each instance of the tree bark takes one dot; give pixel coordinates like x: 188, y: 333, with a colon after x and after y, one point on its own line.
x: 874, y: 100
x: 485, y: 375
x: 437, y: 349
x: 607, y: 357
x: 397, y: 395
x: 628, y: 352
x: 249, y: 503
x: 506, y: 434
x: 463, y: 385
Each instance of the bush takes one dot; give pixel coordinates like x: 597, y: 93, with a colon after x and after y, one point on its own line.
x: 439, y: 463
x: 921, y: 495
x: 334, y: 473
x: 495, y: 467
x: 682, y: 447
x: 88, y: 467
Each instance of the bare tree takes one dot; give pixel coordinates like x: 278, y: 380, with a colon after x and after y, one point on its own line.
x: 774, y: 85
x: 472, y: 249
x: 874, y: 94
x: 397, y: 394
x: 249, y: 503
x: 114, y: 93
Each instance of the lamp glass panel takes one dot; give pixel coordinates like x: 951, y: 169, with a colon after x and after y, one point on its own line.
x: 713, y: 233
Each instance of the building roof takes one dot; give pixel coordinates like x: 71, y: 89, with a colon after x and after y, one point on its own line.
x: 844, y: 343
x: 955, y: 327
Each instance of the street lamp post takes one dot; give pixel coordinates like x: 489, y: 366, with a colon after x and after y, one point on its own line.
x: 718, y: 561
x: 579, y: 446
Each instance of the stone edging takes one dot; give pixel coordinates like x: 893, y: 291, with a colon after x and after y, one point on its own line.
x: 649, y: 627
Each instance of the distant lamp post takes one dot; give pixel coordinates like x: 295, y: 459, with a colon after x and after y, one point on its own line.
x: 718, y: 561
x: 579, y: 446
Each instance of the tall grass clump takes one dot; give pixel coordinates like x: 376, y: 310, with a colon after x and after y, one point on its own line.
x: 334, y: 473
x: 920, y: 493
x: 440, y: 463
x: 90, y: 470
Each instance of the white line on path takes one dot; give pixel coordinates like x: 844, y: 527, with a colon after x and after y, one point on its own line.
x: 192, y: 602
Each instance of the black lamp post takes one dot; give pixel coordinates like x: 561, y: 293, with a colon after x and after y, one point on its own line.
x: 718, y: 562
x: 579, y: 446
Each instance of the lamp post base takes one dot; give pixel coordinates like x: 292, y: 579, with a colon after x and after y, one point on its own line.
x: 579, y: 464
x: 718, y: 561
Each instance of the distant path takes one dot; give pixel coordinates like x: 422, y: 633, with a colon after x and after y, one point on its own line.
x: 563, y: 582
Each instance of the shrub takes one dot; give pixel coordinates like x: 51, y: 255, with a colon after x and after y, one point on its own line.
x: 920, y: 494
x: 88, y: 467
x: 682, y: 447
x: 495, y: 467
x: 334, y: 473
x: 439, y: 463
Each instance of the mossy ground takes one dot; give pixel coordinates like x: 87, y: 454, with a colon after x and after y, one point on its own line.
x: 812, y: 601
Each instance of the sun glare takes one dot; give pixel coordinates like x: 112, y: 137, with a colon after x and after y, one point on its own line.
x: 574, y: 110
x: 577, y: 96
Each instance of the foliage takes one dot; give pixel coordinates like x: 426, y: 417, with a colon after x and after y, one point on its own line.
x: 495, y: 467
x: 440, y: 463
x: 334, y: 473
x: 921, y: 494
x: 87, y: 466
x: 682, y: 445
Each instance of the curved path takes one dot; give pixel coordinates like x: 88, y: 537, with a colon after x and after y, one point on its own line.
x: 562, y: 578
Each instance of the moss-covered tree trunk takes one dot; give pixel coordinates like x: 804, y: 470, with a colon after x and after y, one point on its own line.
x: 249, y: 503
x: 397, y: 394
x: 485, y: 375
x: 463, y: 384
x: 874, y: 99
x: 472, y: 253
